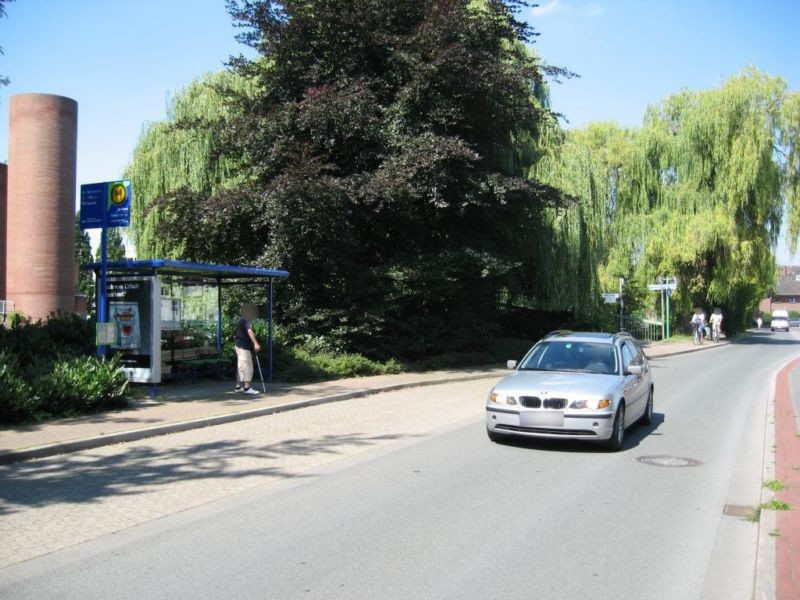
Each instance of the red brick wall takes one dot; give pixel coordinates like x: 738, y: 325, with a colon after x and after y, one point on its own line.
x: 40, y: 260
x: 3, y: 186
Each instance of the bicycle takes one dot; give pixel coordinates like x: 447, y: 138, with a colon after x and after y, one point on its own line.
x: 715, y: 333
x: 697, y: 335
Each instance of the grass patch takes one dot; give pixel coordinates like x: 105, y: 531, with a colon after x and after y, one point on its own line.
x: 775, y: 533
x: 774, y: 485
x: 776, y: 504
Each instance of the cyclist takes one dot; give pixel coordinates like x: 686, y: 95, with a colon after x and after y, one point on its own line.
x: 698, y: 324
x: 716, y: 324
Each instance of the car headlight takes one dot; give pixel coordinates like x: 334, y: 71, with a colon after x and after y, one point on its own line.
x: 593, y: 404
x: 502, y: 398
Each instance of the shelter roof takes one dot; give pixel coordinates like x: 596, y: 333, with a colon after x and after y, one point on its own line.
x: 180, y: 268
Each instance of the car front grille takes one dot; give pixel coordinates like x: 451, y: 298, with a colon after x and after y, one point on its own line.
x: 530, y: 401
x: 536, y: 402
x: 548, y: 430
x: 556, y: 403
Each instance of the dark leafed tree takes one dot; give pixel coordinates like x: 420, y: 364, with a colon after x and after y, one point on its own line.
x: 382, y: 168
x: 115, y: 245
x: 83, y: 256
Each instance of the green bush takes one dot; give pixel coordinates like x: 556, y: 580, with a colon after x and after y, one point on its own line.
x: 17, y: 402
x: 36, y: 344
x: 82, y: 384
x: 299, y: 365
x: 47, y: 369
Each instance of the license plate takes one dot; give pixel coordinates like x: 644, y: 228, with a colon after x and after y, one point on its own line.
x: 542, y: 418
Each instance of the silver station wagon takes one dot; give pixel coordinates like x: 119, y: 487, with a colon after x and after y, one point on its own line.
x: 583, y: 386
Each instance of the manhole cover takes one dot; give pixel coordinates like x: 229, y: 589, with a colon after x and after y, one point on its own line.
x: 663, y: 460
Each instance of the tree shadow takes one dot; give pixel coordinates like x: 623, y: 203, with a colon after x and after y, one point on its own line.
x: 89, y: 477
x: 764, y: 337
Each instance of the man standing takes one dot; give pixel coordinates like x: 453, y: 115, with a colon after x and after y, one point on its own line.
x: 246, y: 343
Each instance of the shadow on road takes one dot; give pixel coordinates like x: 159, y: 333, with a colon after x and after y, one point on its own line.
x: 762, y: 336
x: 88, y: 477
x: 633, y: 437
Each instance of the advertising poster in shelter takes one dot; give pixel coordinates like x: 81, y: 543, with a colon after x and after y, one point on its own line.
x: 135, y: 312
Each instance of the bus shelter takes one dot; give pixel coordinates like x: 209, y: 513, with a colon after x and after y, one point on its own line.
x: 166, y: 315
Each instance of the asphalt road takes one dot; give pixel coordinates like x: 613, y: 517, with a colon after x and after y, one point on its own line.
x: 450, y: 515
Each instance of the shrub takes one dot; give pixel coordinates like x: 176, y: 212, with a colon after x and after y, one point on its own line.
x: 82, y: 384
x: 298, y: 365
x: 37, y: 344
x: 17, y: 402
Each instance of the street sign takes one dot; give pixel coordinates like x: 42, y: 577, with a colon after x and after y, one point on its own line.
x: 610, y: 297
x: 92, y: 204
x: 119, y: 204
x: 106, y: 204
x: 658, y: 287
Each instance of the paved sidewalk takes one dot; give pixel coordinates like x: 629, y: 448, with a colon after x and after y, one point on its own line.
x: 185, y: 407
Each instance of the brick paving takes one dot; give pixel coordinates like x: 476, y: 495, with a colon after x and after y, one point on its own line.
x: 189, y: 402
x: 787, y: 472
x: 53, y: 503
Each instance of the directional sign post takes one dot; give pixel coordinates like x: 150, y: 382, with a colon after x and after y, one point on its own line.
x: 665, y: 285
x: 105, y: 205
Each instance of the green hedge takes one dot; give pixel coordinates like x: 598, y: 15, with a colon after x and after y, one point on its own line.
x: 47, y: 370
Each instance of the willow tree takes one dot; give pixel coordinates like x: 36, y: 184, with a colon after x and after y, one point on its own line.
x: 182, y: 157
x: 698, y: 191
x: 588, y: 164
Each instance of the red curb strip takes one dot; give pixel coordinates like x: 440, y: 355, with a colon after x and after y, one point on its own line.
x: 787, y: 471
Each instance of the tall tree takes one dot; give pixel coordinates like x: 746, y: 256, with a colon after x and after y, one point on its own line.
x: 382, y: 167
x: 115, y: 245
x: 178, y: 161
x: 83, y: 256
x: 698, y: 191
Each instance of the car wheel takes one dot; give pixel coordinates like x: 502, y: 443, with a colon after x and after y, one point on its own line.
x: 497, y: 438
x: 618, y: 436
x: 647, y: 417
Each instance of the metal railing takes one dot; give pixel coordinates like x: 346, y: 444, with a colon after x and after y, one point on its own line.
x: 643, y: 330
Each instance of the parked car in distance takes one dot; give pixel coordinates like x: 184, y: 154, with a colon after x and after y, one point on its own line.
x: 780, y: 320
x: 794, y: 322
x: 573, y: 385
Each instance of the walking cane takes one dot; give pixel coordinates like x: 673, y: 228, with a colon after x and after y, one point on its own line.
x: 260, y: 374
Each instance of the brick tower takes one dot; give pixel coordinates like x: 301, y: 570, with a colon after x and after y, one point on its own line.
x: 3, y: 202
x: 40, y: 223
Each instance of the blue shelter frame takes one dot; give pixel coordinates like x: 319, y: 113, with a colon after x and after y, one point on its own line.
x: 206, y: 273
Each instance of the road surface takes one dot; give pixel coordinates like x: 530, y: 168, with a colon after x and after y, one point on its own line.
x: 401, y: 495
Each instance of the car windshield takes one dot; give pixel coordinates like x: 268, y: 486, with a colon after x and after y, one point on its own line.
x: 581, y: 357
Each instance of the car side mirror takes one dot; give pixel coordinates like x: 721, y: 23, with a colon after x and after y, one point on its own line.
x: 511, y: 364
x: 636, y: 370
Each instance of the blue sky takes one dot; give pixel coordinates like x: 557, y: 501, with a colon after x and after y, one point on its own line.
x: 121, y: 60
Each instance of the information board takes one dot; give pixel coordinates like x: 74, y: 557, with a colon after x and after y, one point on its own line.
x: 106, y: 204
